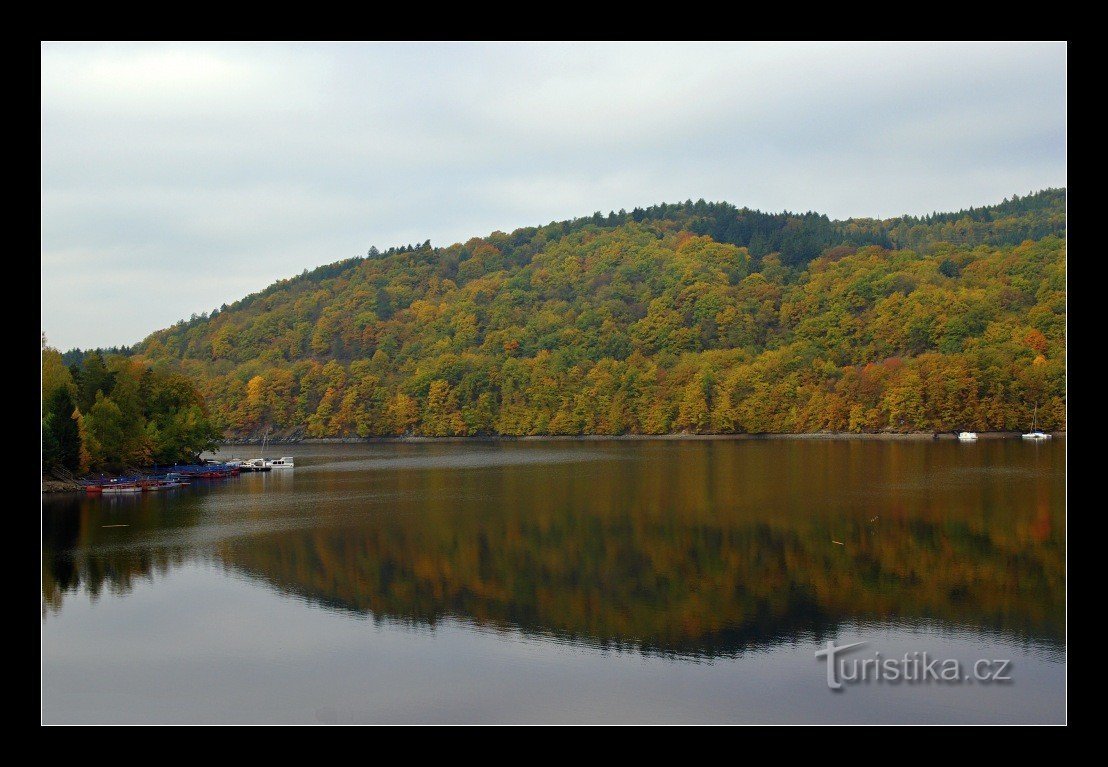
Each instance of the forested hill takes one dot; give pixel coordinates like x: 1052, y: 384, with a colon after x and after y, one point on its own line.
x: 693, y: 317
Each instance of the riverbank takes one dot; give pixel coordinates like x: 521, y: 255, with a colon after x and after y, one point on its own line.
x: 886, y: 436
x: 51, y: 485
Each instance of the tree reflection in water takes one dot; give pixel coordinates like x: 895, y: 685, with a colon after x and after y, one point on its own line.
x: 696, y: 549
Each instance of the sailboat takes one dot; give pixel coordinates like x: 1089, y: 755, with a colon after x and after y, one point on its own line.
x: 263, y: 464
x: 257, y: 464
x: 1035, y: 434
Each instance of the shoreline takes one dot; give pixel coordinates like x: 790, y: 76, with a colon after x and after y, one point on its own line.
x: 51, y: 485
x: 881, y: 436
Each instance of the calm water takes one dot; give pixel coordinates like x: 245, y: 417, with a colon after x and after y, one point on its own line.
x: 564, y: 582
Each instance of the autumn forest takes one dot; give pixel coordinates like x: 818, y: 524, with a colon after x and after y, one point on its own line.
x: 687, y: 318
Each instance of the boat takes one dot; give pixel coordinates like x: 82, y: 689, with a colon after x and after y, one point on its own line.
x: 148, y: 483
x: 158, y: 480
x: 967, y: 436
x: 216, y: 473
x: 254, y: 464
x: 207, y: 471
x: 214, y: 462
x: 261, y: 464
x: 121, y: 488
x: 1035, y: 435
x: 161, y: 484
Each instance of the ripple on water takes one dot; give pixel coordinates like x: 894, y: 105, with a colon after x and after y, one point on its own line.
x: 463, y: 460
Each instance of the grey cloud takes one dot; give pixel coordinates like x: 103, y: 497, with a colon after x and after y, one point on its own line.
x: 175, y: 178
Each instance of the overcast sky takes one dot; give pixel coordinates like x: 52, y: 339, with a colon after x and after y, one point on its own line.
x: 179, y: 177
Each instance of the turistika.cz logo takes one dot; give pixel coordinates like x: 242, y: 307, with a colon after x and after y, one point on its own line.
x: 913, y: 667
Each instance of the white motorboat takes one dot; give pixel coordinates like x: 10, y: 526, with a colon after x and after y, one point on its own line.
x: 281, y: 463
x: 967, y: 436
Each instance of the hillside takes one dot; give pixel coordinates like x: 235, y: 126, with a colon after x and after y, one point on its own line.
x: 695, y: 317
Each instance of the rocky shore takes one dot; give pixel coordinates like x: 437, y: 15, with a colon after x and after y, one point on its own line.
x: 52, y: 485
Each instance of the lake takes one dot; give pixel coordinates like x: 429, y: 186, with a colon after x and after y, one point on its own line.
x: 607, y: 581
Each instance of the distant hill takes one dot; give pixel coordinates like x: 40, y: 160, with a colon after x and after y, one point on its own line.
x: 689, y: 317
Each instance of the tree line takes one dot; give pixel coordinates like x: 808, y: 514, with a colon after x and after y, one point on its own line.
x: 653, y: 322
x: 115, y: 413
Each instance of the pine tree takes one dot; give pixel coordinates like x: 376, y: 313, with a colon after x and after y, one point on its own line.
x: 64, y: 433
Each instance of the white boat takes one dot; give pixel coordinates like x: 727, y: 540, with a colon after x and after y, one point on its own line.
x: 1035, y: 434
x: 967, y: 436
x: 281, y: 463
x: 254, y: 464
x: 121, y: 489
x: 168, y: 484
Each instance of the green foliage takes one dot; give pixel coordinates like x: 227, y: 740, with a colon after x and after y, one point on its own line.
x: 176, y: 422
x: 55, y: 373
x: 92, y: 377
x: 697, y: 317
x: 112, y: 439
x: 61, y: 443
x: 51, y: 453
x: 115, y: 413
x: 61, y: 437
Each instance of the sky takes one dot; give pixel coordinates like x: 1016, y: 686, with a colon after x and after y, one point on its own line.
x: 179, y: 177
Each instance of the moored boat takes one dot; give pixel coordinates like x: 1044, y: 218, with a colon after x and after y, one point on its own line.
x: 160, y: 480
x: 967, y: 436
x: 208, y: 471
x: 163, y: 484
x: 281, y: 463
x: 119, y: 488
x: 1035, y: 435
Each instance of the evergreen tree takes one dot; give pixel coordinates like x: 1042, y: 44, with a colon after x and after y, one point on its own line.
x: 94, y: 377
x: 63, y: 429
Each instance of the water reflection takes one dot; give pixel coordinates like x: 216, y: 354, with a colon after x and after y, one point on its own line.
x: 697, y: 549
